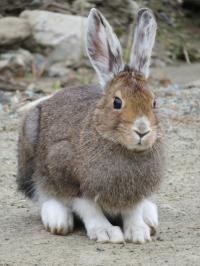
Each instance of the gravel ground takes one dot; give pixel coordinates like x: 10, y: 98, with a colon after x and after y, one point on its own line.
x: 23, y: 240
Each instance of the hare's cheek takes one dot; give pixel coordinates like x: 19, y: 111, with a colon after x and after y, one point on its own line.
x: 153, y: 137
x: 125, y: 138
x: 149, y: 139
x: 131, y: 141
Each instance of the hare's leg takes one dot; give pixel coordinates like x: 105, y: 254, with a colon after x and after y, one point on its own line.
x: 56, y: 216
x: 150, y: 215
x: 139, y: 221
x: 96, y: 224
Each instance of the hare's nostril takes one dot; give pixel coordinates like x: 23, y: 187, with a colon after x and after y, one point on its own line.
x: 141, y: 135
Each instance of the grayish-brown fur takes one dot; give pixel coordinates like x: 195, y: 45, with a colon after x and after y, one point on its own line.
x: 69, y: 158
x: 74, y: 144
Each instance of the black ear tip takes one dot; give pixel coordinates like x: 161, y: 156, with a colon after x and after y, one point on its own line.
x: 93, y: 11
x: 145, y: 12
x: 96, y: 16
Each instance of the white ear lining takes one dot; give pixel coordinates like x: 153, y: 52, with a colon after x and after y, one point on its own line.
x: 144, y: 38
x: 103, y: 47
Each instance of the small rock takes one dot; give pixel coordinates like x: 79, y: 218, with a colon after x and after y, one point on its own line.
x: 58, y: 70
x: 67, y: 50
x: 40, y: 63
x: 193, y: 84
x: 1, y: 107
x: 30, y: 90
x: 159, y: 238
x: 4, y: 99
x: 13, y: 30
x: 100, y: 249
x: 50, y: 28
x: 17, y: 62
x: 156, y: 62
x: 134, y: 7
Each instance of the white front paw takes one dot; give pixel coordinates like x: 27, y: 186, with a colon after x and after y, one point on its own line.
x: 150, y: 215
x: 57, y: 218
x: 106, y: 233
x: 139, y: 233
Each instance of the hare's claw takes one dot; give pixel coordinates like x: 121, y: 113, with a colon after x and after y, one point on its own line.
x: 104, y: 234
x: 57, y: 218
x: 140, y: 222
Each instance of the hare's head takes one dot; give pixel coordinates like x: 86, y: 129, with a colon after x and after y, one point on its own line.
x: 125, y: 114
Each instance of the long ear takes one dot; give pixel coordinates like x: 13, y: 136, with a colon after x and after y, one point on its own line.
x: 144, y: 38
x: 103, y: 47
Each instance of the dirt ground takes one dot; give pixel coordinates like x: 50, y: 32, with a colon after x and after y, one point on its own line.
x: 23, y: 240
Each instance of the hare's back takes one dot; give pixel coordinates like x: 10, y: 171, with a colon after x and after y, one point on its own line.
x: 63, y: 114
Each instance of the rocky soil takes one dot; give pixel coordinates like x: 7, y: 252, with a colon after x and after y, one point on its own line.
x: 23, y: 240
x: 45, y: 38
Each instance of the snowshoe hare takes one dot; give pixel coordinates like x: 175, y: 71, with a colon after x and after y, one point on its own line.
x: 97, y: 151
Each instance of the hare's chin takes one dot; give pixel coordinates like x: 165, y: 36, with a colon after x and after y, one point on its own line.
x: 139, y: 147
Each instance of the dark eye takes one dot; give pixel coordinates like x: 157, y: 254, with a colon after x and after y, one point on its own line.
x: 154, y: 104
x: 117, y: 104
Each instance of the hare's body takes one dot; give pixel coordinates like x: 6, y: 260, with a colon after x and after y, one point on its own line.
x: 74, y: 160
x: 92, y: 150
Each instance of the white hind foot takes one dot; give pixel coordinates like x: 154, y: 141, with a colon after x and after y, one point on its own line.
x: 140, y: 222
x: 56, y: 217
x: 97, y: 226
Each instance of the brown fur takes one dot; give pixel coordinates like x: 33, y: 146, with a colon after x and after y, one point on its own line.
x: 81, y: 150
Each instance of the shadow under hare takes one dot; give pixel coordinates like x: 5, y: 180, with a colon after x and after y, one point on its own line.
x: 97, y: 151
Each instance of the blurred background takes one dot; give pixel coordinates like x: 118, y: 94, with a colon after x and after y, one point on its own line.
x: 42, y: 43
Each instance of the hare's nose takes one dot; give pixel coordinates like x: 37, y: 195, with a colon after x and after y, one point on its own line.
x: 141, y: 135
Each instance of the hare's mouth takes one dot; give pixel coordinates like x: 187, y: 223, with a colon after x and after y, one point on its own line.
x: 137, y: 143
x: 141, y: 147
x: 138, y: 146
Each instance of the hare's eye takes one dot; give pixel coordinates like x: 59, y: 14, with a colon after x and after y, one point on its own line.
x: 154, y: 104
x: 117, y: 104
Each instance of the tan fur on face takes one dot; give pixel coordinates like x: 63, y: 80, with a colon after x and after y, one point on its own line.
x: 137, y: 101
